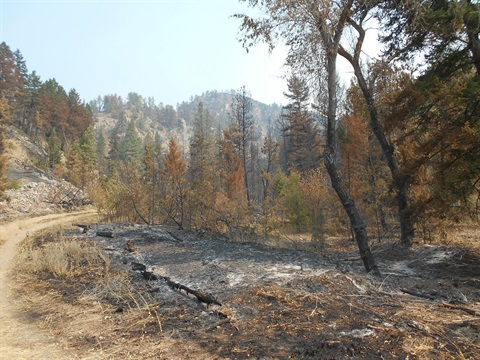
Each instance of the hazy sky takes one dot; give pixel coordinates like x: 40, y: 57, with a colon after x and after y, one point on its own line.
x: 168, y: 49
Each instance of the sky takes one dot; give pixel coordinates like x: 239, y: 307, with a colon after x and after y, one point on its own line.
x: 170, y: 50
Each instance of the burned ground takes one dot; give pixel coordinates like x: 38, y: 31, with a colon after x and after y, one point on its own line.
x: 275, y: 303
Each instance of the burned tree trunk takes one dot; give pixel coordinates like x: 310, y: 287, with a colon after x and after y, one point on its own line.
x: 358, y: 224
x: 108, y: 234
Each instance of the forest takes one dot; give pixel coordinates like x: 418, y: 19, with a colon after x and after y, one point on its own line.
x: 394, y: 155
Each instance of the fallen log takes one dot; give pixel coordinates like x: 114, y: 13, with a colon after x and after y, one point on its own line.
x: 138, y: 266
x: 206, y: 298
x: 417, y: 294
x: 108, y: 234
x: 175, y: 237
x: 172, y: 284
x: 147, y: 275
x: 203, y: 297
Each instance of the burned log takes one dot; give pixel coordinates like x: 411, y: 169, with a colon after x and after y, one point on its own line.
x: 147, y: 275
x: 172, y: 284
x: 203, y: 297
x: 138, y: 266
x: 417, y: 294
x: 206, y: 298
x: 175, y: 237
x: 108, y: 234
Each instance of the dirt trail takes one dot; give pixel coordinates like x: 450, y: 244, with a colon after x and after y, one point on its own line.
x: 19, y: 338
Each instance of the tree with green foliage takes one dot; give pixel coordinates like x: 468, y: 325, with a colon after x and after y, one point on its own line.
x: 131, y: 146
x: 442, y: 31
x: 242, y: 125
x: 114, y: 152
x: 201, y: 170
x: 295, y: 203
x: 102, y: 142
x: 32, y: 106
x: 88, y: 147
x: 82, y: 160
x: 300, y: 132
x: 54, y: 149
x: 434, y: 116
x: 151, y: 175
x: 4, y: 120
x: 314, y: 31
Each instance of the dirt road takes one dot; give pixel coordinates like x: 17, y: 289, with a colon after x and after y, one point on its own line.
x: 19, y: 337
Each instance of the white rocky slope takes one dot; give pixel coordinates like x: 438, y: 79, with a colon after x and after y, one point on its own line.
x: 33, y: 191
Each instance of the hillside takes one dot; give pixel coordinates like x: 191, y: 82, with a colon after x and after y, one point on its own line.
x: 33, y: 188
x: 112, y: 112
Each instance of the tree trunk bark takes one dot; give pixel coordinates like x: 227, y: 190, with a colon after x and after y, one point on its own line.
x: 359, y: 227
x: 401, y: 183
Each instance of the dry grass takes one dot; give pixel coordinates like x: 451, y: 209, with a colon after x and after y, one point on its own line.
x: 93, y: 301
x: 63, y: 258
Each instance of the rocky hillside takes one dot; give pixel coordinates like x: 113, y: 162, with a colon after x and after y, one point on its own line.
x: 33, y: 190
x: 112, y: 112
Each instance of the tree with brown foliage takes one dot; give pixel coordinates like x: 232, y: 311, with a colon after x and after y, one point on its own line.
x: 367, y: 174
x: 12, y: 79
x: 317, y: 28
x: 230, y: 200
x: 434, y: 116
x: 174, y: 182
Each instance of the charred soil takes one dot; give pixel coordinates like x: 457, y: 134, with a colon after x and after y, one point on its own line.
x: 268, y: 302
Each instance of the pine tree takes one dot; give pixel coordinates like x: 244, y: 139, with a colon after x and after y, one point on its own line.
x: 242, y: 126
x: 114, y: 153
x: 150, y: 176
x: 230, y: 200
x: 175, y: 184
x: 32, y: 106
x: 4, y: 120
x: 82, y: 160
x: 302, y: 147
x: 201, y: 169
x: 102, y: 150
x: 88, y: 147
x: 131, y: 146
x: 54, y: 149
x: 12, y: 79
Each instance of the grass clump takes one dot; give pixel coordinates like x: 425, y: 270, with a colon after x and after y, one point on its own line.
x: 75, y: 275
x: 52, y: 254
x: 66, y: 258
